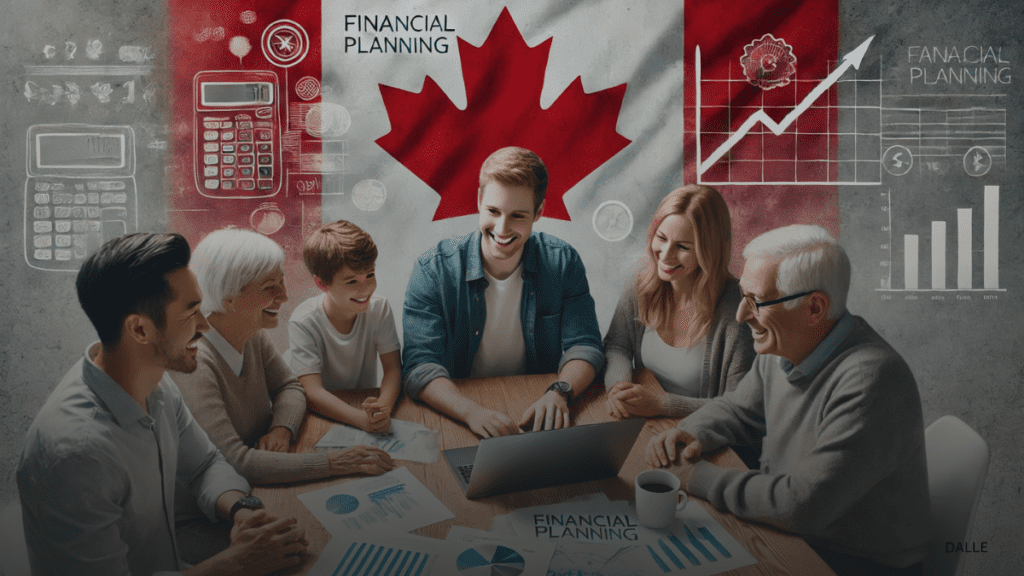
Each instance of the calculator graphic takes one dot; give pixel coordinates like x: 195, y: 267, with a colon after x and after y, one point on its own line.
x: 237, y: 134
x: 80, y: 192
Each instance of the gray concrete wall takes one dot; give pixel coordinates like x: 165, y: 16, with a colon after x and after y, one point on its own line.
x: 961, y: 350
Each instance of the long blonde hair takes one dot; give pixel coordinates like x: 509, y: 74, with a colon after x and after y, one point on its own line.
x: 708, y: 214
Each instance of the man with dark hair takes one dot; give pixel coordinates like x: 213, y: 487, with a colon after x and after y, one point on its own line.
x: 97, y: 474
x: 501, y: 301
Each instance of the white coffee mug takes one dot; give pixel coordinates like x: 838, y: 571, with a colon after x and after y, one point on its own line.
x: 657, y: 499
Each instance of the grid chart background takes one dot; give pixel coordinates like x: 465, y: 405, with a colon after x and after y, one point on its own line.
x: 813, y: 149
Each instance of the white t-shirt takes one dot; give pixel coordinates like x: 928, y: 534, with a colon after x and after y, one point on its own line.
x: 678, y: 369
x: 344, y: 361
x: 502, y: 350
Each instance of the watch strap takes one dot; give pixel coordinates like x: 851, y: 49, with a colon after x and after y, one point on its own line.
x: 563, y: 388
x: 248, y: 501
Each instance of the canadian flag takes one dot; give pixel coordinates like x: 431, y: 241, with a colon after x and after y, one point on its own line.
x: 595, y: 88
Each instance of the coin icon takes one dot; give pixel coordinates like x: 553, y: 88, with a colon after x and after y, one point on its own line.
x: 327, y: 120
x: 369, y: 195
x: 897, y: 160
x: 977, y: 161
x: 613, y: 221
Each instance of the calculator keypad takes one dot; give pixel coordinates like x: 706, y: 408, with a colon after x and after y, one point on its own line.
x: 237, y: 153
x: 68, y: 217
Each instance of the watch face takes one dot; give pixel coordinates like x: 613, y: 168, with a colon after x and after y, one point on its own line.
x: 562, y: 387
x: 250, y: 502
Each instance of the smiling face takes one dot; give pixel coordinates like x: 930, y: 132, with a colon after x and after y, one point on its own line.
x: 506, y: 220
x: 674, y: 249
x: 178, y: 340
x: 776, y: 330
x: 349, y: 291
x: 259, y: 302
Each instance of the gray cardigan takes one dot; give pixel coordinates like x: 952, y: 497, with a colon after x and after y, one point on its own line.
x: 728, y: 351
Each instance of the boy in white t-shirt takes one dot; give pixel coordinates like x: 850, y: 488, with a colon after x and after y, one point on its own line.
x: 337, y: 336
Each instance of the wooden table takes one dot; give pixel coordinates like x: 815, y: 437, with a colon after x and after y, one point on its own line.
x: 778, y: 553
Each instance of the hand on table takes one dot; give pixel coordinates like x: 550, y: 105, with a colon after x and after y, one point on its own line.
x: 549, y: 412
x: 488, y: 423
x: 635, y: 399
x: 662, y: 450
x: 261, y: 544
x: 360, y: 460
x: 378, y: 416
x: 616, y: 409
x: 277, y: 440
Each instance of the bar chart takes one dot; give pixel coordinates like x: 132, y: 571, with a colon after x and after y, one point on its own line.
x: 951, y: 270
x: 397, y: 557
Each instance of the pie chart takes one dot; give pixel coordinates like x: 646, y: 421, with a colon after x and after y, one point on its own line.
x: 342, y: 504
x: 490, y: 561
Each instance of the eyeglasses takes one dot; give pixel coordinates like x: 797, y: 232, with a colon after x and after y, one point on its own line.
x: 756, y: 306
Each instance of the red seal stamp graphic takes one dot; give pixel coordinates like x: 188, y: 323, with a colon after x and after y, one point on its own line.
x: 768, y: 63
x: 307, y: 88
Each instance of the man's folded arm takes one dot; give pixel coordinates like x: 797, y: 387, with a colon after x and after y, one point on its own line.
x: 734, y: 418
x: 202, y: 469
x: 425, y: 333
x: 854, y: 450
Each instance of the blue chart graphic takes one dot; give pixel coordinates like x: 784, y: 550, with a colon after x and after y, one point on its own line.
x: 342, y: 504
x: 365, y: 559
x: 390, y: 502
x: 490, y: 561
x: 670, y: 554
x: 392, y: 445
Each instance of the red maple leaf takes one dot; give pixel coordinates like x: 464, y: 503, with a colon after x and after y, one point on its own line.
x: 445, y: 146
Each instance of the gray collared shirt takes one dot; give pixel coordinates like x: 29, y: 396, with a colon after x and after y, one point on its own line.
x: 814, y: 361
x: 97, y: 476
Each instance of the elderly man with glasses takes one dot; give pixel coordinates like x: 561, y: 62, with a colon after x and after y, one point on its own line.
x: 836, y: 407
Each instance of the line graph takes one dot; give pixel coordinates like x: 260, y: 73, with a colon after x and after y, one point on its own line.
x: 762, y: 150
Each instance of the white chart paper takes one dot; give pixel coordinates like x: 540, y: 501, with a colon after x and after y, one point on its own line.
x: 396, y: 502
x: 472, y: 552
x: 592, y: 521
x: 573, y: 558
x: 407, y: 441
x: 695, y: 545
x: 378, y: 555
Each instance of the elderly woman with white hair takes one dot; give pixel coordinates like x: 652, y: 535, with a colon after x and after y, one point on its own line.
x: 243, y: 393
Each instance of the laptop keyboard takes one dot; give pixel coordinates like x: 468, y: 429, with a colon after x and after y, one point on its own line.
x: 465, y: 471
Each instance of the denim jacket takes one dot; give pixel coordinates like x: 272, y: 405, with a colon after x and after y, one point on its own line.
x: 445, y: 311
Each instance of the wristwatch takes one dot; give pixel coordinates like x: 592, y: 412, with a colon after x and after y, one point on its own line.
x: 562, y: 388
x: 248, y: 501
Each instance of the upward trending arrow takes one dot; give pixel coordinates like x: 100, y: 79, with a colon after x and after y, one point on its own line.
x: 851, y: 59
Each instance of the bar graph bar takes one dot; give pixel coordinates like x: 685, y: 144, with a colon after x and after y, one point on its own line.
x: 910, y: 261
x: 991, y: 246
x: 963, y: 235
x: 939, y: 254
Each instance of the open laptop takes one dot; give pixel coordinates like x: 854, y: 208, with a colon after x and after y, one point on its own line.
x: 545, y: 458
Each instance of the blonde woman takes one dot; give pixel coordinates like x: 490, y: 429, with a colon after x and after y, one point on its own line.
x: 677, y: 314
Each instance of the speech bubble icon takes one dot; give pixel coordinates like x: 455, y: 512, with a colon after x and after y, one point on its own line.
x: 239, y: 46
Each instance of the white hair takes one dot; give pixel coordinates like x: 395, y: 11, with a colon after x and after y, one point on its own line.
x: 228, y: 259
x: 810, y: 260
